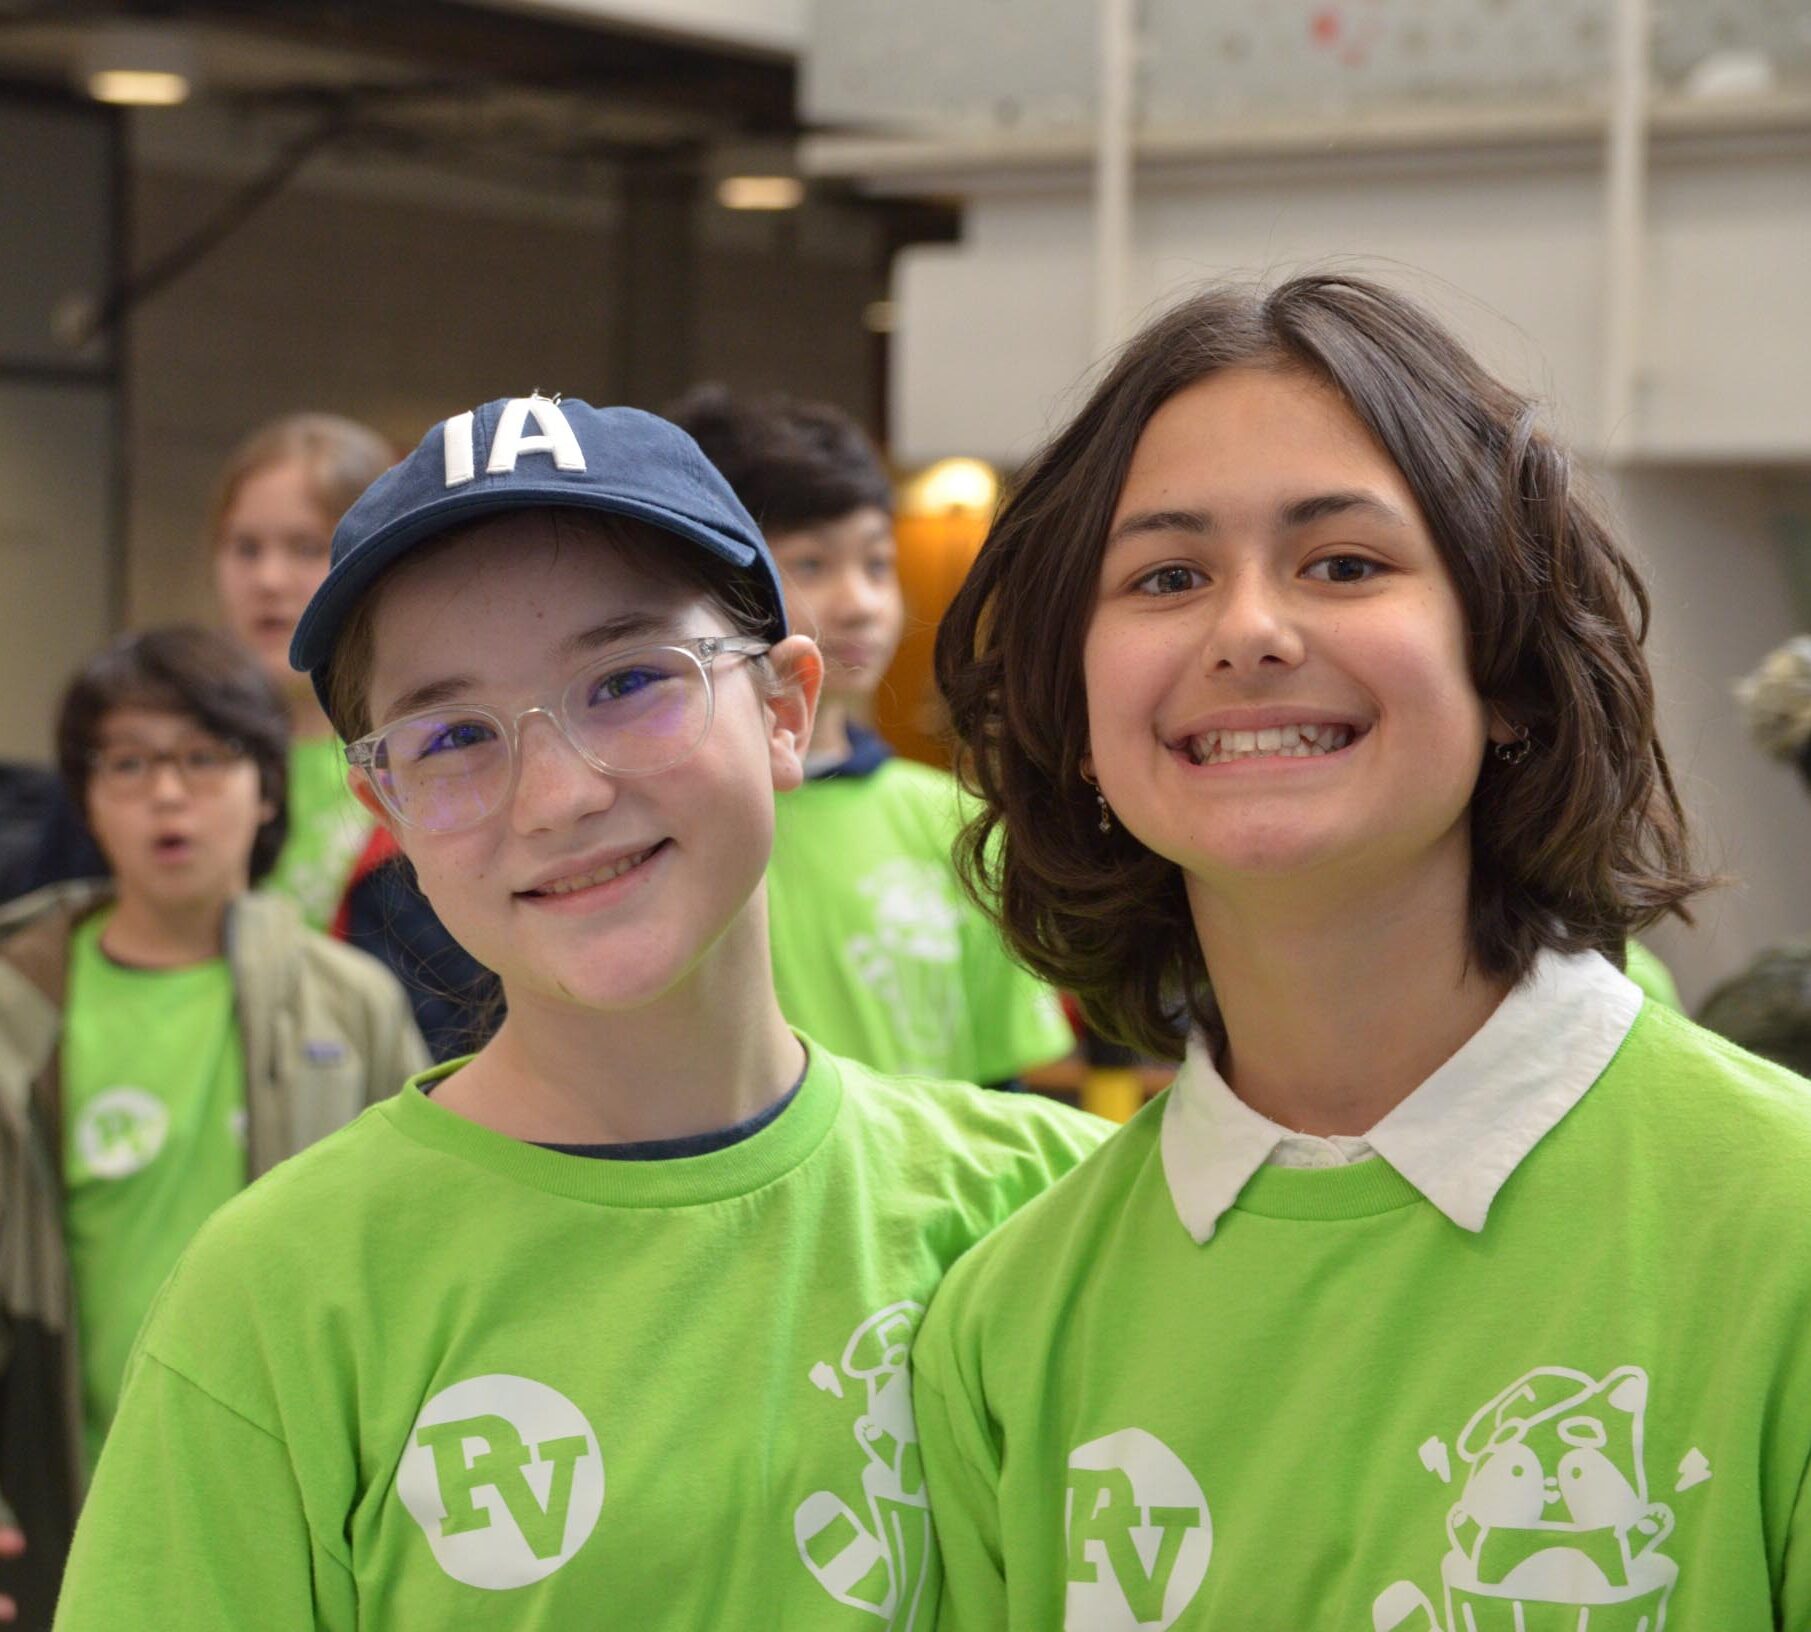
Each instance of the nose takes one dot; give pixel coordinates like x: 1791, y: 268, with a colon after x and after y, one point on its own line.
x: 555, y: 787
x: 1254, y: 631
x: 167, y: 786
x: 269, y: 572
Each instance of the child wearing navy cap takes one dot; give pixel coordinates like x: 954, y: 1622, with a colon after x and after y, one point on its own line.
x: 607, y: 1325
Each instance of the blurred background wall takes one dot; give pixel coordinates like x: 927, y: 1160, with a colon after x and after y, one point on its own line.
x: 393, y: 211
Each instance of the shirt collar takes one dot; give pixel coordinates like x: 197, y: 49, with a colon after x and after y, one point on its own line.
x: 1460, y: 1134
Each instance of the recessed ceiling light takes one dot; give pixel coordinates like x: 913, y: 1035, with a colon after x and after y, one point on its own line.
x: 140, y: 67
x: 760, y: 192
x: 138, y: 87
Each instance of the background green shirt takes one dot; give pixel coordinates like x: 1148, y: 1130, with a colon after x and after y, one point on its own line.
x: 426, y: 1376
x: 153, y: 1140
x: 328, y: 829
x: 877, y: 951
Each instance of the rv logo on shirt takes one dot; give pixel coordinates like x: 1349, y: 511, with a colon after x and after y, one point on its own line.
x: 121, y: 1131
x: 1139, y: 1535
x: 504, y: 1476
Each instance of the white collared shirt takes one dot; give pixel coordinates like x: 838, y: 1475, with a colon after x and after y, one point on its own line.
x: 1456, y: 1138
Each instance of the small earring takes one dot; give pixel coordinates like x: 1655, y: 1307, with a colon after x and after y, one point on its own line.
x: 1106, y: 814
x: 1513, y: 753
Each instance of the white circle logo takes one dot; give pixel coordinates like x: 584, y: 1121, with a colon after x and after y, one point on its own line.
x: 504, y: 1476
x: 1139, y: 1535
x: 120, y: 1132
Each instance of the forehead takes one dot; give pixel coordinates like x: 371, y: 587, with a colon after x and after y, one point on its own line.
x: 140, y: 725
x: 498, y: 601
x: 858, y: 530
x: 1255, y: 430
x: 281, y: 486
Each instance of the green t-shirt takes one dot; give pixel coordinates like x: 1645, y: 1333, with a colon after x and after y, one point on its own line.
x: 328, y: 830
x: 424, y: 1375
x: 1652, y: 976
x: 153, y: 1077
x: 1342, y: 1410
x: 876, y: 949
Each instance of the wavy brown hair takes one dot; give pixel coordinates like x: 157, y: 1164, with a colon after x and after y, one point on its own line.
x: 1576, y: 848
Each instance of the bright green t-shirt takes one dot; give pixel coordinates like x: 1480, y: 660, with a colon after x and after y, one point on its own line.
x: 1652, y: 976
x: 153, y: 1141
x: 328, y: 830
x: 426, y: 1376
x: 1343, y: 1410
x: 877, y: 951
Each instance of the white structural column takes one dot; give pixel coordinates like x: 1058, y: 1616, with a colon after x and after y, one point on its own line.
x: 1625, y: 226
x: 1113, y: 159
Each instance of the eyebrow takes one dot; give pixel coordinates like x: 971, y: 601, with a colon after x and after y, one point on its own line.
x: 1296, y: 514
x: 625, y: 626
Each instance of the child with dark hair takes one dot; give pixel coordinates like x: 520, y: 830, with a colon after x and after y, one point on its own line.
x: 164, y: 1038
x: 877, y: 950
x: 1452, y: 1285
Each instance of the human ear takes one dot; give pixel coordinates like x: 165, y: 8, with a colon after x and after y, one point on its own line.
x: 366, y: 795
x: 1502, y: 729
x: 798, y: 668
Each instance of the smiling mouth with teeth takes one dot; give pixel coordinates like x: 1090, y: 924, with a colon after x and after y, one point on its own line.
x: 602, y: 875
x: 1272, y: 742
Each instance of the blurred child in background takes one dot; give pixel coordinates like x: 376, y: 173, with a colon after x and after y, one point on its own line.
x: 877, y: 950
x: 164, y: 1038
x: 1768, y: 1006
x: 280, y: 496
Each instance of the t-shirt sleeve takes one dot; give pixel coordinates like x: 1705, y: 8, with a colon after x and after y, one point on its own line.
x: 195, y: 1520
x: 962, y: 1475
x: 1016, y: 1021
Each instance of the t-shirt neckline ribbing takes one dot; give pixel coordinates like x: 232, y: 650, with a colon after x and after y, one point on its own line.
x: 1326, y: 1194
x: 680, y: 1181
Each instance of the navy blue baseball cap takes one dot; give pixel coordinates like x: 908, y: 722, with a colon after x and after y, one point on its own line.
x: 521, y: 452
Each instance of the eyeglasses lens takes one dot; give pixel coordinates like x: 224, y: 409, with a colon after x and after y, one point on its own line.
x: 634, y: 716
x: 643, y: 714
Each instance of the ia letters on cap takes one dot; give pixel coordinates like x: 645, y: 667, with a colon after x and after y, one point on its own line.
x: 510, y: 443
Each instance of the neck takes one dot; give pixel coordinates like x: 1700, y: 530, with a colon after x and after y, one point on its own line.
x: 164, y: 935
x: 709, y: 1053
x: 829, y: 732
x: 1339, y: 1002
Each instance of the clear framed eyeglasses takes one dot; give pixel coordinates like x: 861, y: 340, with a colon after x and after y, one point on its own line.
x: 630, y: 714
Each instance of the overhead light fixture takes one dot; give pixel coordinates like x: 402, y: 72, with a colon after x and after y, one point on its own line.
x: 952, y: 487
x: 137, y: 68
x: 760, y: 192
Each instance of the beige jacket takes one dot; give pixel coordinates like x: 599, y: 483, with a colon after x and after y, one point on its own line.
x: 326, y: 1031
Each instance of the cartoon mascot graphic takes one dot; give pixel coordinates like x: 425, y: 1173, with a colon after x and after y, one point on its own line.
x: 877, y: 1565
x: 1553, y: 1531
